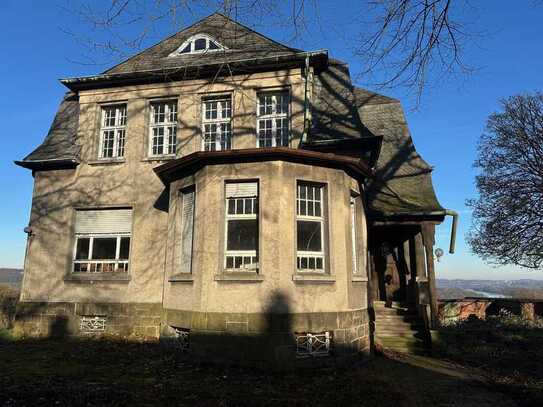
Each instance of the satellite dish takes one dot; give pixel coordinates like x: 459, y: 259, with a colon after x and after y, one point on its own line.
x: 439, y: 253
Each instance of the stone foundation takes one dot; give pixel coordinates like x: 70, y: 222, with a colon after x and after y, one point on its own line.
x: 62, y: 319
x: 268, y: 338
x: 252, y: 339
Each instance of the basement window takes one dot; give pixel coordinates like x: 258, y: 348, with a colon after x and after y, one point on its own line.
x: 183, y: 338
x: 92, y: 324
x: 313, y: 344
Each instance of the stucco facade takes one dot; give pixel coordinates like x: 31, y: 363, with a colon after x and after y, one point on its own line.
x: 289, y: 123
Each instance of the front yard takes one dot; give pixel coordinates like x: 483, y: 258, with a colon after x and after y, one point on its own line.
x: 96, y: 373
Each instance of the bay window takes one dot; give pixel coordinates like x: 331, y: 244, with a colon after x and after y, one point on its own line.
x: 163, y: 128
x: 241, y: 246
x: 217, y: 123
x: 102, y: 240
x: 112, y: 131
x: 272, y: 123
x: 310, y: 224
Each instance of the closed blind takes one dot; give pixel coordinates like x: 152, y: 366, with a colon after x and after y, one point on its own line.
x: 241, y: 189
x: 187, y: 227
x: 103, y: 221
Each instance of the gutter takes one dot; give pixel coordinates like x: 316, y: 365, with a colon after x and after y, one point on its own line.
x: 76, y: 82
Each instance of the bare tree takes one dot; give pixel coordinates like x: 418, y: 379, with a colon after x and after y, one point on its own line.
x: 398, y: 42
x: 508, y: 214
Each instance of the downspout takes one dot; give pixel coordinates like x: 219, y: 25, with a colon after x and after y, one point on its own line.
x: 445, y: 212
x: 303, y: 139
x: 454, y: 215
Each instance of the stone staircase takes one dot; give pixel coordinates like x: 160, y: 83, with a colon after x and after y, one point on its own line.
x: 400, y: 328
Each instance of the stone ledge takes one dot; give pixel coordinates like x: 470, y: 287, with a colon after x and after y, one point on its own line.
x: 109, y: 161
x: 181, y: 278
x: 313, y: 278
x: 240, y: 277
x: 360, y: 279
x: 92, y: 277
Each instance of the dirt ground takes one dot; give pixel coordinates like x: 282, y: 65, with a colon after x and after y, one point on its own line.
x: 57, y: 373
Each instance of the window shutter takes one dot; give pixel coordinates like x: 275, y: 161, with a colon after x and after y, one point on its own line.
x: 241, y: 189
x: 103, y: 221
x: 187, y: 227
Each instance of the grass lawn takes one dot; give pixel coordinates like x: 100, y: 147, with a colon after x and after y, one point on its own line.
x: 96, y: 373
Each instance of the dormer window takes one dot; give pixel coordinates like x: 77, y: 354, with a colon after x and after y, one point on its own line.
x: 198, y: 44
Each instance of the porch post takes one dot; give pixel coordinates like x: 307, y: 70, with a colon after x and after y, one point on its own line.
x: 428, y: 230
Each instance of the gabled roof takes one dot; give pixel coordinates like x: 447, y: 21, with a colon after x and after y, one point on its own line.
x: 241, y: 41
x: 402, y: 184
x: 245, y: 50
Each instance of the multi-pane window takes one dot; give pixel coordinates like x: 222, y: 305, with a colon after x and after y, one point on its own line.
x: 272, y: 123
x: 113, y: 131
x: 310, y: 223
x: 163, y: 128
x: 217, y: 123
x: 354, y: 234
x: 241, y: 252
x: 102, y: 240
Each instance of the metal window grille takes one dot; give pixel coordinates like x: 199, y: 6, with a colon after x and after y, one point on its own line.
x: 313, y: 345
x: 217, y: 124
x: 163, y: 128
x: 113, y: 131
x: 241, y: 205
x: 310, y: 211
x: 92, y: 324
x: 183, y: 338
x: 273, y: 120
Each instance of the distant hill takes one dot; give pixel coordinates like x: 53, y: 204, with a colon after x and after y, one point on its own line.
x: 12, y: 277
x: 524, y: 288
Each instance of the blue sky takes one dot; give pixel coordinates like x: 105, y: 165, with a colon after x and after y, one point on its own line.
x: 36, y: 51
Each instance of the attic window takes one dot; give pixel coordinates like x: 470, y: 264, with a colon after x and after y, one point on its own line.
x: 197, y: 44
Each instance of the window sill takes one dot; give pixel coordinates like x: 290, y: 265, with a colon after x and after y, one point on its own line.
x: 313, y: 278
x: 181, y: 278
x: 107, y: 161
x: 360, y: 279
x: 159, y: 158
x: 244, y: 276
x: 88, y: 277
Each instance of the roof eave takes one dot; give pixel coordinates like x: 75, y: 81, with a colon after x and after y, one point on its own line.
x: 180, y: 167
x: 317, y: 58
x: 45, y: 165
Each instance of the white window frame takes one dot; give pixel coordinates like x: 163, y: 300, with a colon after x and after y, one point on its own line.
x: 301, y: 254
x: 243, y: 254
x: 121, y: 266
x: 220, y: 120
x: 273, y: 117
x: 168, y: 125
x: 118, y: 128
x: 353, y: 200
x: 192, y: 41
